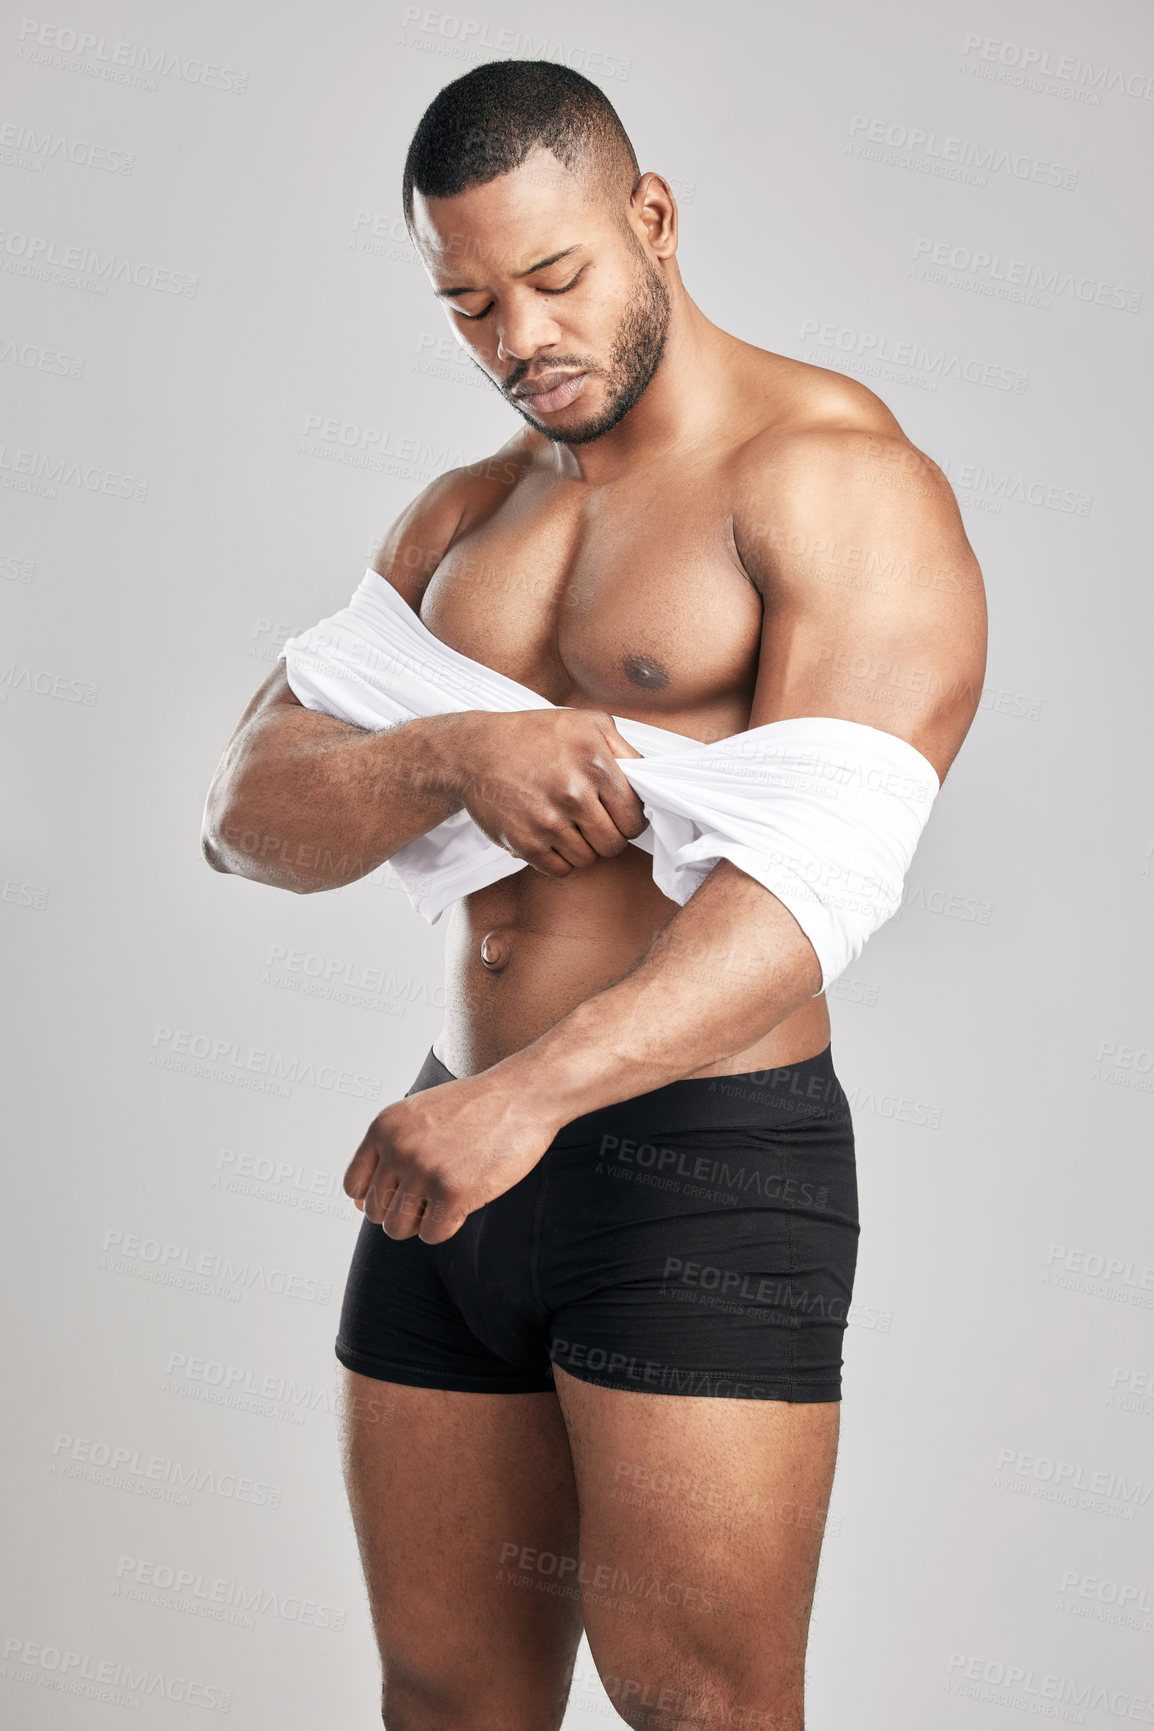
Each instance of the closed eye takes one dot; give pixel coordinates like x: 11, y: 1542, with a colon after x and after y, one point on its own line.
x: 563, y: 291
x: 474, y: 318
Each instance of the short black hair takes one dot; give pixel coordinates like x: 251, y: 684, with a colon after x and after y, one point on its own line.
x: 487, y: 122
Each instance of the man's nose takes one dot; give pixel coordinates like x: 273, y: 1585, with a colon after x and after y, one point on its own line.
x: 506, y: 352
x: 523, y: 332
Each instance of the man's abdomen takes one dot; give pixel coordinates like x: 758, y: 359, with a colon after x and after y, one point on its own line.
x: 524, y: 952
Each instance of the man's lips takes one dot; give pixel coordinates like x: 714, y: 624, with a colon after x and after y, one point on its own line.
x: 544, y: 396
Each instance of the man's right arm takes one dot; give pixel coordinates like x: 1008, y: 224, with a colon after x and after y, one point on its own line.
x: 304, y: 802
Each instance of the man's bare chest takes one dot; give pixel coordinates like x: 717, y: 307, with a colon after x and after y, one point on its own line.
x: 638, y: 606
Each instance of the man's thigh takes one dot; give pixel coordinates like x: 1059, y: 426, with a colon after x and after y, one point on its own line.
x: 452, y: 1494
x: 701, y: 1527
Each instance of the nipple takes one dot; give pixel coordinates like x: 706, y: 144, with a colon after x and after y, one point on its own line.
x: 496, y: 948
x: 644, y: 670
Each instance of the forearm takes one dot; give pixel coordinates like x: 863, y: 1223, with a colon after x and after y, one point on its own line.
x: 305, y: 802
x: 729, y: 966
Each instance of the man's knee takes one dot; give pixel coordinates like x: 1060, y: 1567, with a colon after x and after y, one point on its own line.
x: 435, y: 1706
x: 705, y: 1700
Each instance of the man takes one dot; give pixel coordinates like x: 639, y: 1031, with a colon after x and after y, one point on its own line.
x: 610, y: 1234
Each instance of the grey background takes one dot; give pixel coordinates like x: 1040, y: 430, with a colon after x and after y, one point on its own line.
x: 994, y: 1501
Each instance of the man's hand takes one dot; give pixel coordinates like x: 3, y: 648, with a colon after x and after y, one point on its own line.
x: 430, y: 1159
x: 543, y: 784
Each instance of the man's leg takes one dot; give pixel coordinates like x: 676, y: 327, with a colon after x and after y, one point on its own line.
x: 450, y: 1492
x: 701, y: 1527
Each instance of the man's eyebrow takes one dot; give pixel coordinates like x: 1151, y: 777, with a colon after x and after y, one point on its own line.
x: 542, y: 264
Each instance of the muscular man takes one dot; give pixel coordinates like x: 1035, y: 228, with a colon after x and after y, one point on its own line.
x: 610, y: 1234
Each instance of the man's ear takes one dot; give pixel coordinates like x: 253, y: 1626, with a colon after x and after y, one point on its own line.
x: 655, y: 208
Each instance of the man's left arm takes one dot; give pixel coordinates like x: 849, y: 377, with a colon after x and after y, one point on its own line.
x: 873, y: 612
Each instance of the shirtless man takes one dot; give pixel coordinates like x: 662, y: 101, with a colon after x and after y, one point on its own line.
x: 706, y: 536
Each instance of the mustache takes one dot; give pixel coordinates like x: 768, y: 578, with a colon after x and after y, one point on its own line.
x: 555, y: 363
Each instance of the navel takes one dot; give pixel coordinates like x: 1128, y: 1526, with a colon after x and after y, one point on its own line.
x: 496, y: 948
x: 644, y: 670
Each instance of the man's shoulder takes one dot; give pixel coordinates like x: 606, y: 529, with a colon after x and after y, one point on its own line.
x: 830, y: 483
x: 446, y: 509
x: 822, y: 433
x: 478, y: 488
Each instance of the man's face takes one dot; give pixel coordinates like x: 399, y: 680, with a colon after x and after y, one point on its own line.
x: 548, y: 291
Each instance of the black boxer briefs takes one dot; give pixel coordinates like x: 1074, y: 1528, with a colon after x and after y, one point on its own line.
x: 698, y: 1239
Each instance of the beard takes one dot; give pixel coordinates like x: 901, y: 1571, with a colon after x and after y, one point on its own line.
x: 638, y: 345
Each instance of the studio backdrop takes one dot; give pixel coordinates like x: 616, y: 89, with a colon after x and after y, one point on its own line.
x: 224, y: 375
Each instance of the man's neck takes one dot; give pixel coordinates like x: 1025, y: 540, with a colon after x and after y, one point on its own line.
x: 682, y: 403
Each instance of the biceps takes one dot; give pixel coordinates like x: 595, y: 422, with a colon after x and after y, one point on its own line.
x: 900, y: 647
